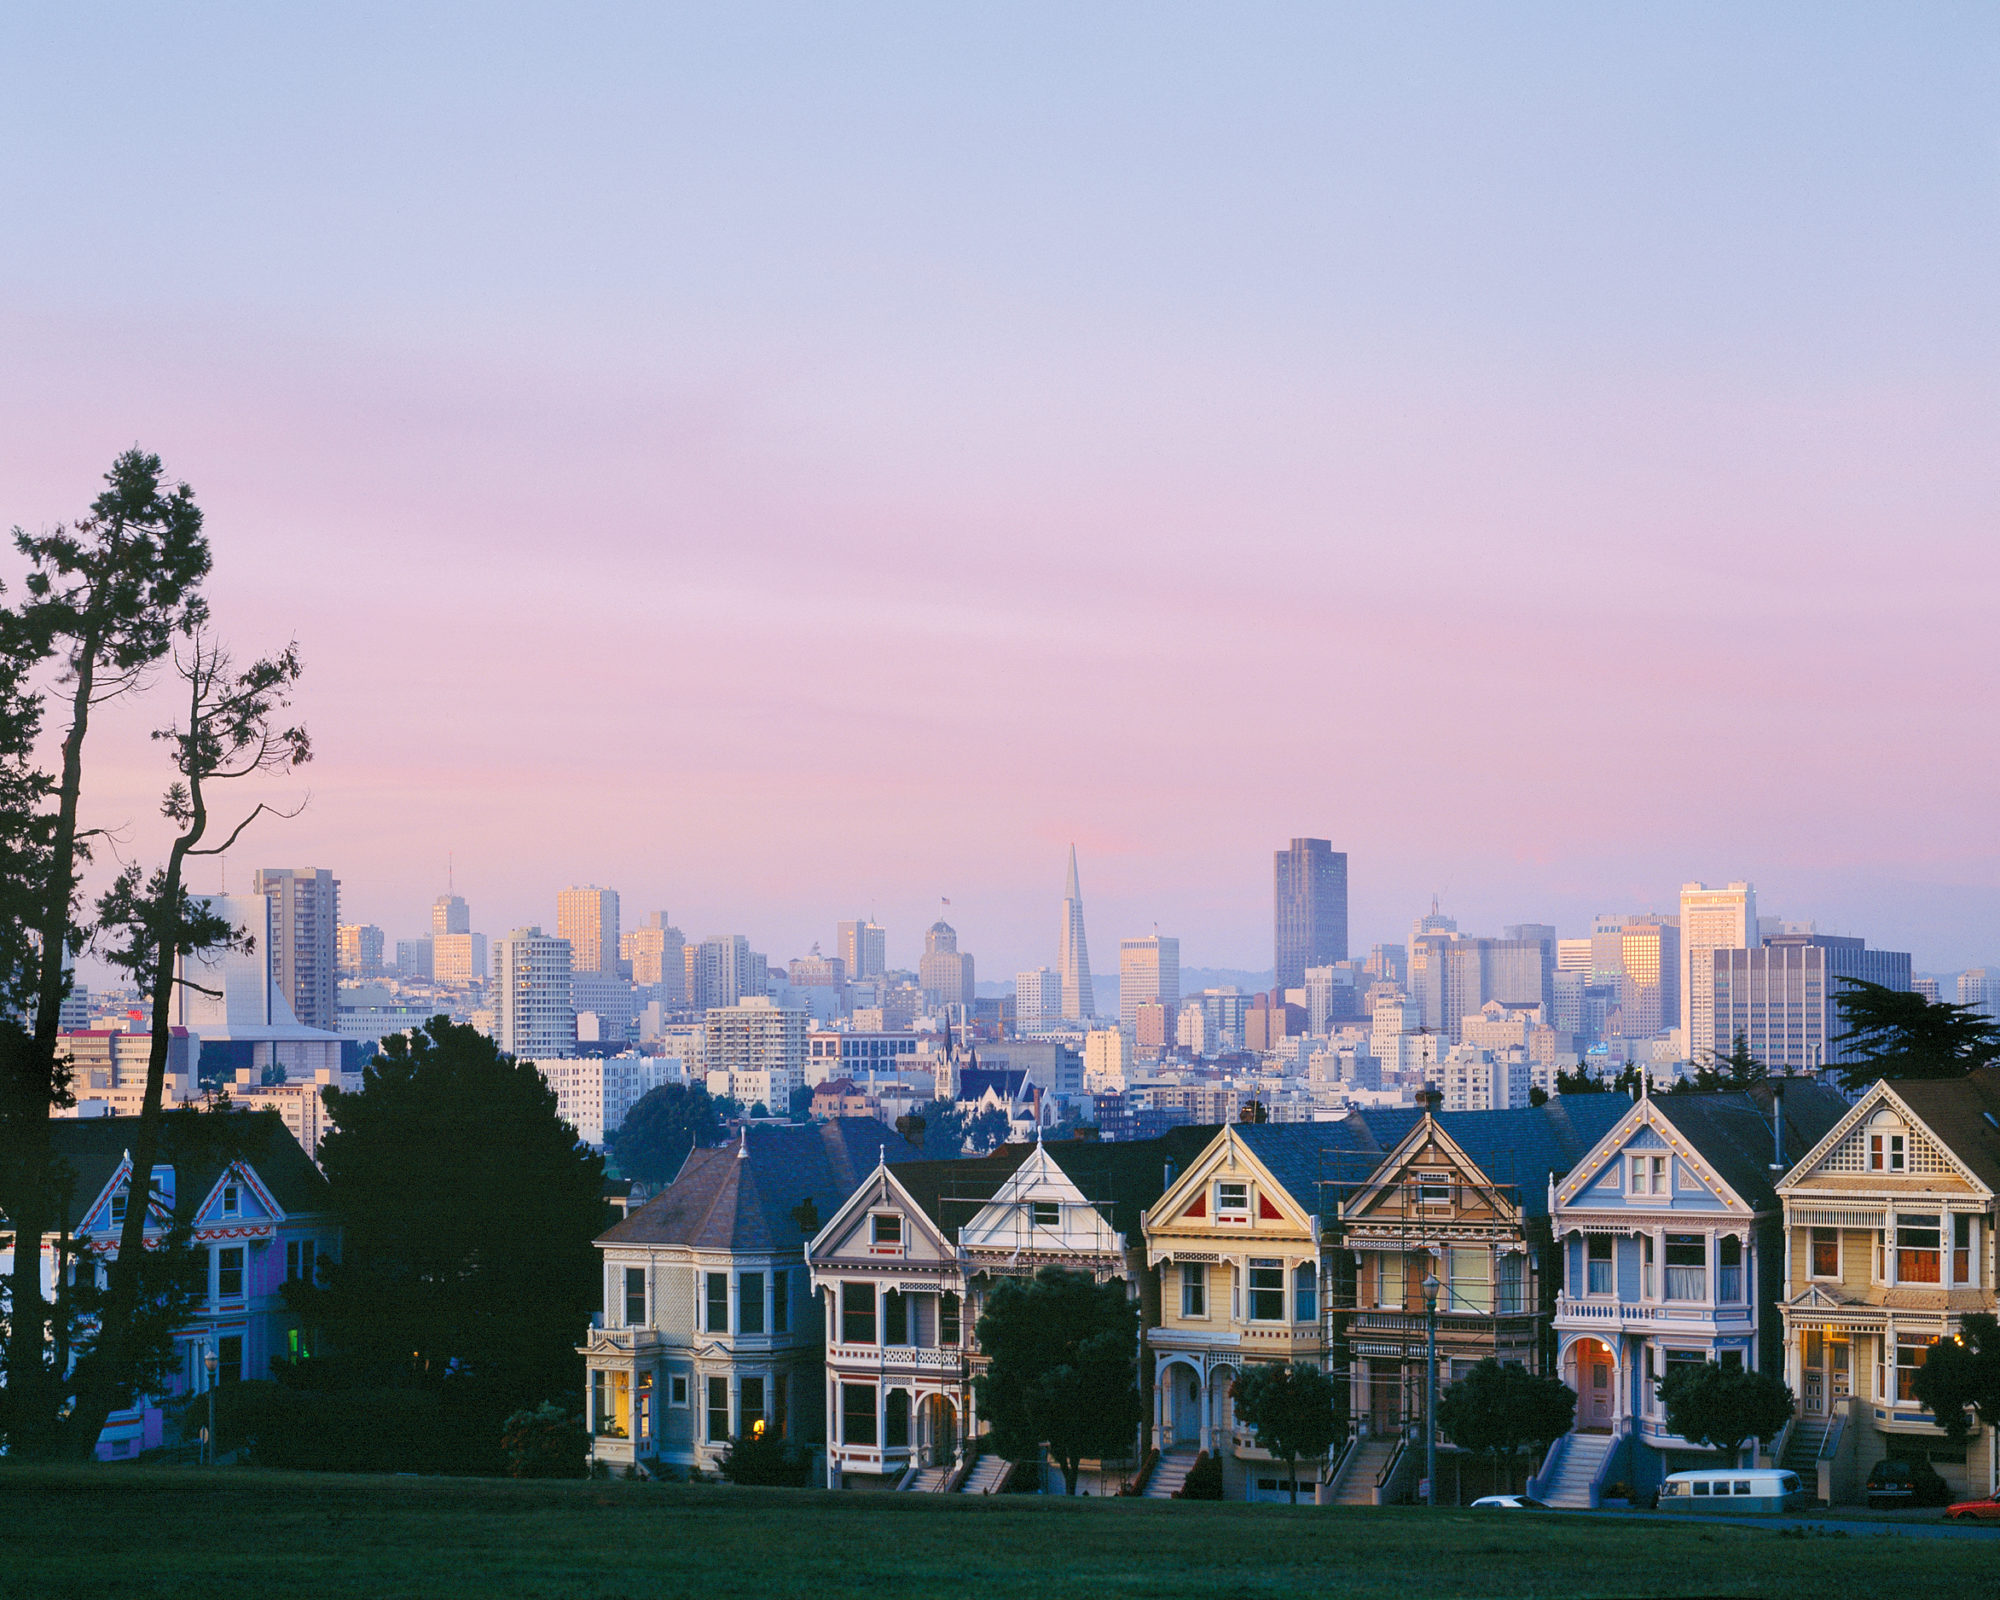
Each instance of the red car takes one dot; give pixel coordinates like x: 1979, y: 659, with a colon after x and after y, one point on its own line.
x: 1987, y: 1510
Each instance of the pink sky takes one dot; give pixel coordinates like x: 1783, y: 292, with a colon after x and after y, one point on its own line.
x: 789, y: 468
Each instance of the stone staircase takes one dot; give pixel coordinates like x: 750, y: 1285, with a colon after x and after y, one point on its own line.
x: 1356, y: 1484
x: 1802, y: 1449
x: 1579, y: 1455
x: 1169, y: 1473
x: 986, y: 1476
x: 926, y: 1480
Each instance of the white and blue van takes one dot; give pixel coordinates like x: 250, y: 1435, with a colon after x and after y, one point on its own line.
x: 1735, y: 1491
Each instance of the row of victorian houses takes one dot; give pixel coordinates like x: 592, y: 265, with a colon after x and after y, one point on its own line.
x: 825, y: 1283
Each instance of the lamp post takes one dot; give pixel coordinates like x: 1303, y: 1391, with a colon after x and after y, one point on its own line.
x: 1431, y: 1389
x: 208, y: 1438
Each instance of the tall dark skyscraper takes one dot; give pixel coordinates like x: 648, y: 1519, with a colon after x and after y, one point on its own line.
x: 1311, y: 909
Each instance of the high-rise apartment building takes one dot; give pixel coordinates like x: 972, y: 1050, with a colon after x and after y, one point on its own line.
x: 944, y: 972
x: 458, y: 959
x: 449, y: 914
x: 1979, y: 987
x: 722, y: 970
x: 588, y: 918
x: 360, y: 950
x: 532, y: 1014
x: 864, y: 946
x: 1038, y: 998
x: 1149, y: 970
x: 1073, y: 952
x: 1783, y: 999
x: 305, y: 940
x: 756, y: 1051
x: 1309, y: 893
x: 415, y: 958
x: 1711, y: 919
x: 658, y: 965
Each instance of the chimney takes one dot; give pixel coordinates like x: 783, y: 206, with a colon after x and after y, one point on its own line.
x: 1777, y: 1124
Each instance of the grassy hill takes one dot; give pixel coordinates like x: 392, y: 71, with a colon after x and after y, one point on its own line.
x: 142, y: 1532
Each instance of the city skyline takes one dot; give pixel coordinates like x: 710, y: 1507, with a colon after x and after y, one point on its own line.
x: 963, y: 434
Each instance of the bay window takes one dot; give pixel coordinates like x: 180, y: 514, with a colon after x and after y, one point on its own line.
x: 1513, y: 1297
x: 1729, y: 1270
x: 1687, y: 1267
x: 750, y: 1302
x: 718, y: 1410
x: 718, y: 1302
x: 1826, y: 1252
x: 857, y: 1317
x: 857, y: 1413
x: 895, y: 1317
x: 1305, y: 1293
x: 1597, y: 1251
x: 1961, y: 1248
x: 1910, y: 1355
x: 896, y: 1420
x: 1390, y: 1275
x: 1194, y: 1289
x: 1267, y: 1291
x: 1917, y: 1242
x: 948, y: 1334
x: 1471, y: 1280
x: 635, y: 1297
x: 750, y: 1407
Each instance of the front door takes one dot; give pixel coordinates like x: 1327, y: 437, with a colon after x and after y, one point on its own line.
x: 1840, y: 1367
x: 1385, y: 1396
x: 1812, y: 1368
x: 1597, y: 1386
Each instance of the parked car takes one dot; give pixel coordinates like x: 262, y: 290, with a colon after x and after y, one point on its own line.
x: 1987, y: 1510
x: 1508, y: 1502
x: 1734, y: 1490
x: 1906, y: 1481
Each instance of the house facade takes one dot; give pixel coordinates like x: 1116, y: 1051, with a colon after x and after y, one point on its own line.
x: 709, y: 1330
x: 258, y: 1213
x: 1672, y: 1247
x: 1889, y: 1240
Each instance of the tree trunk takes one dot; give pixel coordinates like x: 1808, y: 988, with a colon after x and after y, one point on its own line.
x: 1292, y: 1463
x: 34, y: 1388
x: 1070, y: 1469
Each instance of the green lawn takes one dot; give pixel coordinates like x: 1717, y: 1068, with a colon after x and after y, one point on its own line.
x: 137, y: 1532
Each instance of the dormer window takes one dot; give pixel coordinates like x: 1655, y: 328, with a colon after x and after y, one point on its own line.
x: 1045, y: 1214
x: 888, y: 1230
x: 232, y: 1200
x: 1434, y: 1191
x: 1887, y: 1151
x: 118, y: 1208
x: 1232, y: 1200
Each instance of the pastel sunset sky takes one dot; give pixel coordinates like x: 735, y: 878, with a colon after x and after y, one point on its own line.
x: 792, y: 462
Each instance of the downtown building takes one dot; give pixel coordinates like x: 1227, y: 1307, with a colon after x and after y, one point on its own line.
x: 1073, y: 953
x: 1309, y: 894
x: 1149, y: 973
x: 534, y: 1018
x: 1783, y: 999
x: 305, y: 935
x: 755, y: 1052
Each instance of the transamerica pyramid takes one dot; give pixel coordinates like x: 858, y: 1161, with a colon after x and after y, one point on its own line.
x: 1073, y: 959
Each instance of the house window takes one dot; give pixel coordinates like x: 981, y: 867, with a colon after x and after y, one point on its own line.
x: 857, y: 1318
x: 750, y: 1302
x: 1233, y: 1198
x: 1687, y: 1266
x: 1433, y: 1191
x: 1267, y: 1291
x: 718, y: 1410
x: 1677, y: 1360
x: 118, y: 1207
x: 1646, y: 1265
x: 781, y: 1305
x: 1390, y: 1273
x: 718, y: 1302
x: 888, y: 1230
x: 1305, y: 1293
x: 1471, y: 1281
x: 1046, y: 1214
x: 1917, y: 1249
x: 896, y: 1420
x: 612, y: 1394
x: 1638, y: 1183
x: 1910, y: 1355
x: 1513, y: 1285
x: 895, y: 1317
x: 229, y: 1273
x: 857, y: 1412
x: 1729, y: 1270
x: 229, y: 1358
x: 1961, y: 1248
x: 750, y: 1408
x: 948, y: 1334
x: 635, y: 1297
x: 1597, y: 1249
x: 301, y: 1264
x: 1826, y: 1252
x: 1194, y: 1289
x: 677, y: 1389
x: 1886, y: 1153
x: 232, y: 1200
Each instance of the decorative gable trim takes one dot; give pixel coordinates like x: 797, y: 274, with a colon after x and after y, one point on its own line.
x: 1612, y: 1148
x: 1844, y: 1151
x: 1399, y: 1166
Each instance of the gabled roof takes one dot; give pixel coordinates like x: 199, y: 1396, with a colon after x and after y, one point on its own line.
x: 1320, y: 1162
x: 94, y: 1148
x: 1732, y: 1131
x: 1009, y: 1083
x: 726, y: 1200
x: 1964, y: 1116
x: 1525, y: 1146
x: 1124, y: 1178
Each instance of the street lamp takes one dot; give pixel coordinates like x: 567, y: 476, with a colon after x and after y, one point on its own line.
x: 208, y: 1439
x: 1431, y: 1390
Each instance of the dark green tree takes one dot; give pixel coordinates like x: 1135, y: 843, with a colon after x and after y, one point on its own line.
x: 1499, y: 1410
x: 1897, y: 1033
x: 1581, y: 1081
x: 765, y: 1460
x: 1722, y: 1406
x: 1296, y: 1410
x: 988, y: 1130
x: 937, y: 1127
x: 1062, y: 1373
x: 467, y: 1212
x: 1962, y: 1375
x: 102, y: 600
x: 801, y: 1104
x: 545, y: 1441
x: 653, y: 1142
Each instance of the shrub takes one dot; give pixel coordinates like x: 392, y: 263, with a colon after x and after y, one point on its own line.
x: 544, y: 1442
x: 1204, y: 1479
x: 767, y: 1461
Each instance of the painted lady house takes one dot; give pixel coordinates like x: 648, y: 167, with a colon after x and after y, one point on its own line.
x: 1672, y: 1240
x: 1889, y: 1226
x: 709, y: 1331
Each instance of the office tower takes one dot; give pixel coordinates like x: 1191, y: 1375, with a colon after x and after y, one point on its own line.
x: 944, y: 972
x: 1453, y: 975
x: 1544, y: 931
x: 1711, y: 919
x: 759, y: 1048
x: 305, y: 939
x: 1928, y: 988
x: 1107, y: 1056
x: 1573, y: 955
x: 1567, y: 992
x: 607, y: 1000
x: 720, y: 971
x: 1979, y: 987
x: 1309, y: 896
x: 532, y: 1015
x: 1149, y: 970
x: 1390, y: 963
x: 1435, y: 922
x: 458, y: 959
x: 1784, y: 998
x: 1073, y: 952
x: 588, y: 919
x: 1037, y: 1000
x: 658, y: 966
x: 864, y: 946
x: 359, y: 950
x: 415, y: 958
x: 1649, y: 991
x: 1155, y: 1026
x: 450, y: 915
